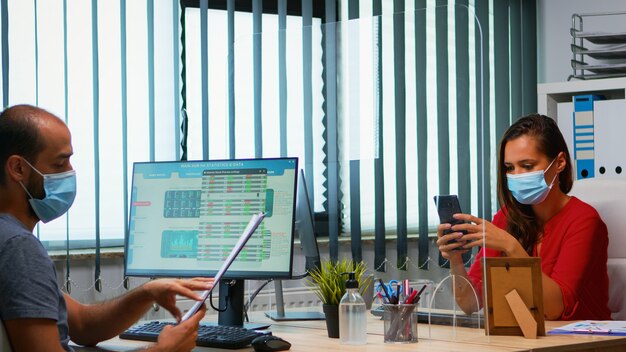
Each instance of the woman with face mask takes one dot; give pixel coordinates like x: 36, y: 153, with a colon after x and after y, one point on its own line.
x: 537, y: 219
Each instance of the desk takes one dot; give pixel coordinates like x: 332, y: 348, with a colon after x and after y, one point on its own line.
x: 310, y: 336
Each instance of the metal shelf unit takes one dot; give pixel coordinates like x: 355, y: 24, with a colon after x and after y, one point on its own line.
x: 608, y: 51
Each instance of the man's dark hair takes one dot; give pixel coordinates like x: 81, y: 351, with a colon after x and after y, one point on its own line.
x: 19, y: 135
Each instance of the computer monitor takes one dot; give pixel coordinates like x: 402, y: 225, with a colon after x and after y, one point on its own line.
x: 308, y: 243
x: 186, y: 216
x: 305, y: 225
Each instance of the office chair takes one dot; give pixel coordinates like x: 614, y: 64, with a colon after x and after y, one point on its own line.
x: 609, y: 199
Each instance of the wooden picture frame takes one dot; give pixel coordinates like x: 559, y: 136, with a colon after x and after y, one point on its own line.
x: 507, y: 280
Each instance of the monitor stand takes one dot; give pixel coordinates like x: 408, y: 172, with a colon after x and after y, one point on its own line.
x: 232, y: 298
x: 281, y: 315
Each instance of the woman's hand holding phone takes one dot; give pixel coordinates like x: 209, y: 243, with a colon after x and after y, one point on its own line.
x: 449, y: 239
x: 459, y: 232
x: 450, y: 243
x: 471, y: 231
x: 481, y: 232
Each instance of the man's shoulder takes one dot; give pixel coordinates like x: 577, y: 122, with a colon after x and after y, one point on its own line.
x: 11, y: 227
x: 22, y: 254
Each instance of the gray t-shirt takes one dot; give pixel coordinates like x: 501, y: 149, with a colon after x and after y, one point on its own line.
x: 28, y: 287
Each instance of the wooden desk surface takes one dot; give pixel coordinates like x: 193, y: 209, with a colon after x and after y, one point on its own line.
x: 309, y: 336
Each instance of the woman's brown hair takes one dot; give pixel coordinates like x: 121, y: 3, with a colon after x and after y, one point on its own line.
x: 521, y: 221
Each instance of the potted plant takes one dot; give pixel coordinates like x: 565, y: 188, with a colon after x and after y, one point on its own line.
x: 329, y: 285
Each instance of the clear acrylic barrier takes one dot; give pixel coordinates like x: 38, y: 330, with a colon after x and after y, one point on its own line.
x: 372, y: 92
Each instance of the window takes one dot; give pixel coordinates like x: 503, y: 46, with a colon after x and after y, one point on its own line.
x: 218, y: 98
x: 54, y: 63
x: 407, y: 95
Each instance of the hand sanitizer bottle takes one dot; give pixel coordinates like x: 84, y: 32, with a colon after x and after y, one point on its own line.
x: 352, y: 315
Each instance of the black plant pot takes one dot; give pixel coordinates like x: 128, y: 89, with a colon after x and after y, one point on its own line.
x: 332, y: 320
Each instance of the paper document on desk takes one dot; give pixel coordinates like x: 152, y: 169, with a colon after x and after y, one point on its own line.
x: 593, y: 327
x: 245, y: 236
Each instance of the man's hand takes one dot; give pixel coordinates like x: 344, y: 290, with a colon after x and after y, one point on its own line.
x: 181, y: 337
x: 164, y: 291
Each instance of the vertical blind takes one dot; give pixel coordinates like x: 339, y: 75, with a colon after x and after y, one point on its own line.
x: 275, y: 78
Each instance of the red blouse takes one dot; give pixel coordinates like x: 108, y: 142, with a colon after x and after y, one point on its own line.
x: 574, y: 255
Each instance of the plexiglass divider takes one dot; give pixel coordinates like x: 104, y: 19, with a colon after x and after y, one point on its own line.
x: 351, y: 103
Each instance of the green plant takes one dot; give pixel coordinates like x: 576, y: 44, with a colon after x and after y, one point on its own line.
x: 328, y: 283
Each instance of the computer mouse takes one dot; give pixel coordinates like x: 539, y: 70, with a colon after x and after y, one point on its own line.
x: 268, y: 343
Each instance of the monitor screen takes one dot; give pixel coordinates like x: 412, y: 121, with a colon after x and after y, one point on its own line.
x: 185, y: 218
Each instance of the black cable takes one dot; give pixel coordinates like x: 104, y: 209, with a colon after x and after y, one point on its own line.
x: 252, y: 297
x: 217, y: 309
x: 301, y: 276
x: 258, y: 290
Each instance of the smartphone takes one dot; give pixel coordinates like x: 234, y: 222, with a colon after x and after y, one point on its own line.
x: 448, y: 205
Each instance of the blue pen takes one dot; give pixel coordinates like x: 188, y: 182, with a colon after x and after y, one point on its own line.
x: 382, y: 285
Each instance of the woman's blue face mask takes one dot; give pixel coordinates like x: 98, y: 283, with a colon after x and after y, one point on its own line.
x: 530, y: 188
x: 60, y: 192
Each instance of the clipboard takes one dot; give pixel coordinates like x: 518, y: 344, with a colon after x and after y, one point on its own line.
x: 514, y: 297
x: 243, y: 239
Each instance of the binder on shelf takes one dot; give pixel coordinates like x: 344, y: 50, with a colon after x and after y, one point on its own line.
x: 584, y: 137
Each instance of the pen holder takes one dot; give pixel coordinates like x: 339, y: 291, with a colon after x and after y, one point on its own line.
x: 400, y: 323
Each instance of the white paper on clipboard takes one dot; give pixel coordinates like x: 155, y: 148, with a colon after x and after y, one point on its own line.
x: 243, y: 239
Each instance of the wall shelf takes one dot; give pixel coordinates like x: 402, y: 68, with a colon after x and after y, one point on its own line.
x: 606, y: 121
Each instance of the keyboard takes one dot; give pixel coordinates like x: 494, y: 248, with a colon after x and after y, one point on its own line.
x: 442, y: 318
x: 229, y: 337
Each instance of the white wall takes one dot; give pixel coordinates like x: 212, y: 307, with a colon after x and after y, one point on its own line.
x: 553, y: 37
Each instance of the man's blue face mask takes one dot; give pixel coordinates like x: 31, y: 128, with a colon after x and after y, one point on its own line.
x: 530, y: 188
x: 60, y: 193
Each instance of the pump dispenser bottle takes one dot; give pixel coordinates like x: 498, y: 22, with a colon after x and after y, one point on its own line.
x: 352, y: 314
